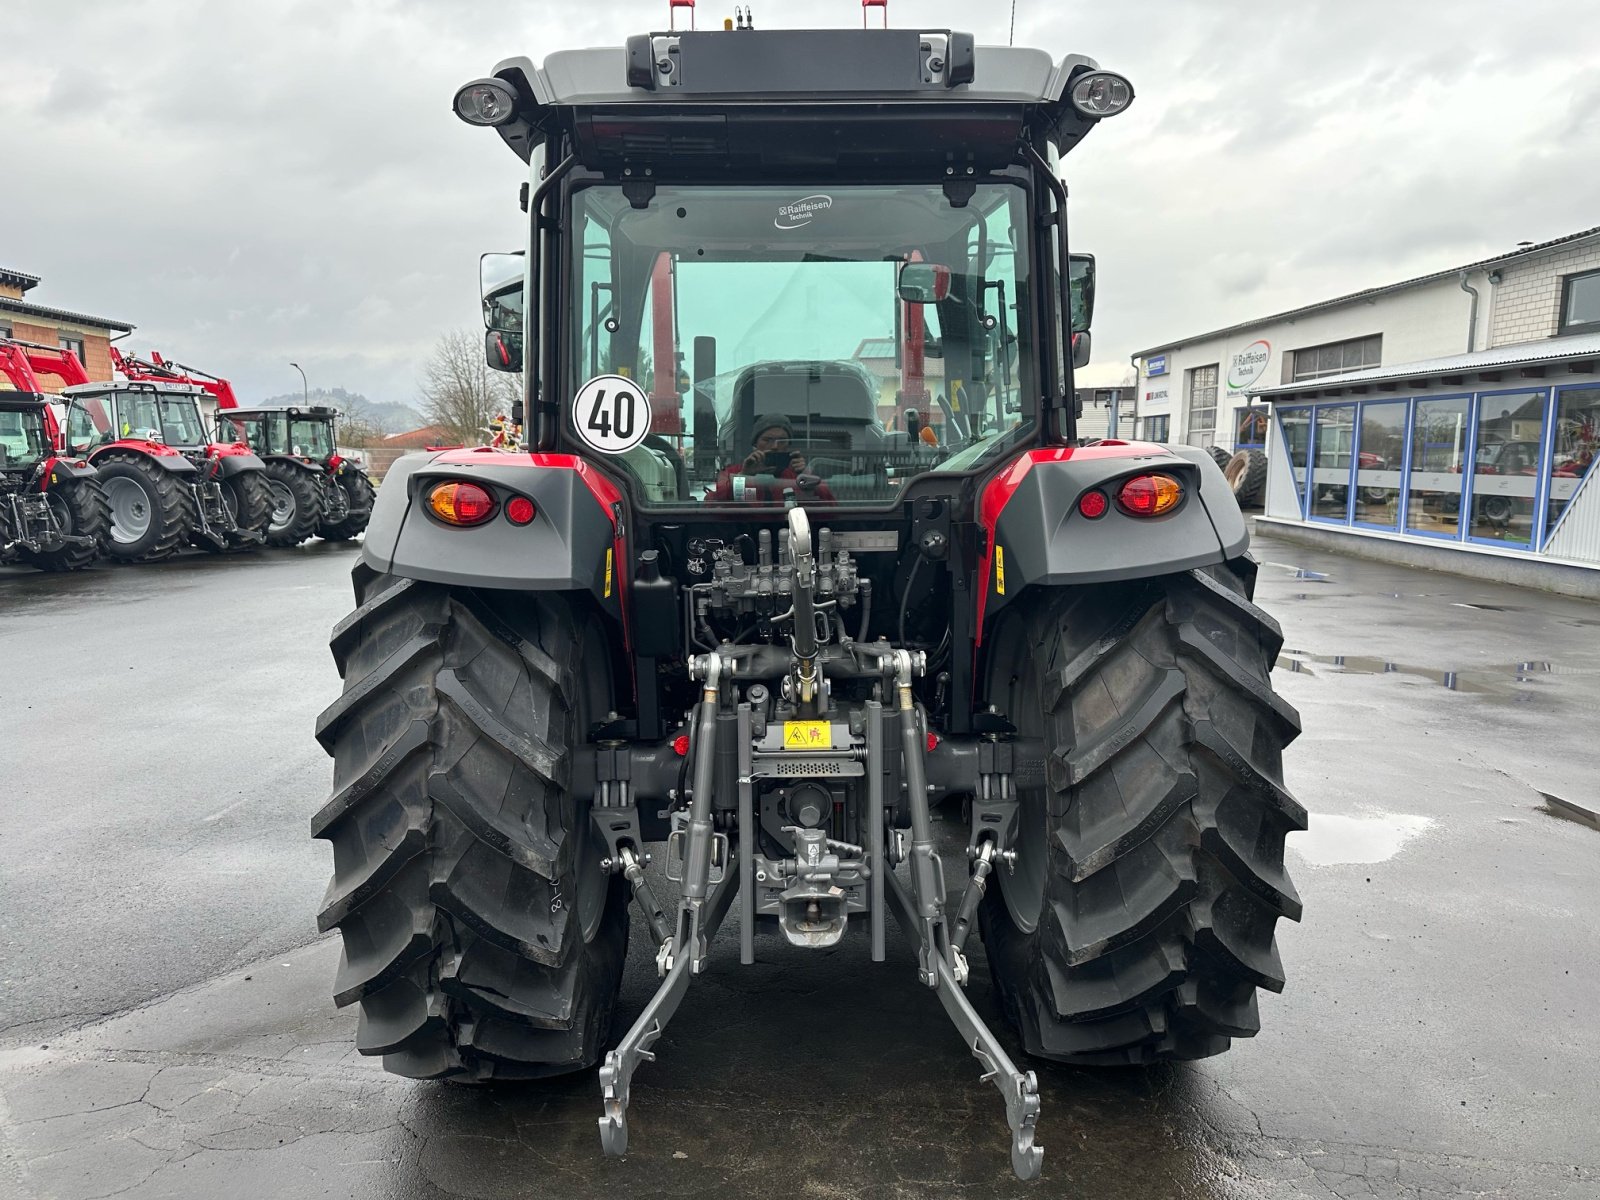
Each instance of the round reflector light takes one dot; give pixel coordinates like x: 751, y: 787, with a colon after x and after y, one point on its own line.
x: 680, y: 745
x: 1093, y: 504
x: 519, y: 510
x: 1150, y: 495
x: 457, y: 503
x: 1101, y: 94
x: 486, y: 102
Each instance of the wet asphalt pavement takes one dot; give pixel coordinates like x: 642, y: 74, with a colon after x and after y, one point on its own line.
x: 166, y: 1027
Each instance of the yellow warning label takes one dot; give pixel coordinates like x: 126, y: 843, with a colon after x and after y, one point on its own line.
x: 1000, y: 569
x: 807, y: 735
x: 608, y: 573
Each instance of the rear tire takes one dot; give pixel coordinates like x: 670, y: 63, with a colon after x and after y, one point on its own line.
x: 80, y: 505
x: 360, y: 492
x: 1220, y: 456
x: 1247, y: 472
x: 296, y: 507
x: 1139, y: 919
x: 482, y: 940
x: 152, y: 511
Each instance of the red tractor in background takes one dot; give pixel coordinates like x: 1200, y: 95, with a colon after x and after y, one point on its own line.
x: 53, y: 513
x: 315, y: 489
x: 167, y: 483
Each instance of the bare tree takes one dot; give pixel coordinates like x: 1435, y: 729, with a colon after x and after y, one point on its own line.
x: 459, y: 391
x: 360, y: 424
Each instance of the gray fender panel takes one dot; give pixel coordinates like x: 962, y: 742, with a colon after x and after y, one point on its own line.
x: 566, y: 547
x: 1040, y: 537
x: 230, y: 465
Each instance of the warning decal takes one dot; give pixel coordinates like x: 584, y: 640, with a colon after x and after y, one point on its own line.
x: 807, y: 735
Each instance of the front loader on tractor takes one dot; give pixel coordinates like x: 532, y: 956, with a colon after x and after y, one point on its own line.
x: 759, y: 603
x: 315, y: 489
x: 53, y: 513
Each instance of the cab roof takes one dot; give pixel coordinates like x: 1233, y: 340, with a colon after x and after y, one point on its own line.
x: 756, y: 94
x: 293, y: 410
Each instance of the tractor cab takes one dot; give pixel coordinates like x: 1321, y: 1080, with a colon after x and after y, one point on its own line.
x: 26, y: 439
x: 99, y: 414
x: 302, y: 432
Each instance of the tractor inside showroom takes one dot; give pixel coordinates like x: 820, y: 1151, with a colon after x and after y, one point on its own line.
x: 801, y: 546
x: 315, y: 489
x: 53, y: 513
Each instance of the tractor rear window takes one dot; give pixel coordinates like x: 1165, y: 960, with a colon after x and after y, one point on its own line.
x: 781, y: 348
x: 23, y: 442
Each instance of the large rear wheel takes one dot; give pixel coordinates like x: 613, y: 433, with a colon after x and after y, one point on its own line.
x: 360, y: 494
x: 296, y: 507
x: 250, y: 503
x: 80, y: 509
x: 152, y: 510
x: 1138, y: 921
x: 482, y: 938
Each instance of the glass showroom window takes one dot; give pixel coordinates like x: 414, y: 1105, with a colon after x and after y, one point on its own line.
x: 1380, y: 454
x: 1155, y: 428
x: 1330, y: 468
x: 1438, y: 454
x: 1295, y: 426
x: 1505, y: 468
x: 1577, y: 440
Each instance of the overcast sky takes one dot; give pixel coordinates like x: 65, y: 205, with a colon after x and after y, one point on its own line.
x: 254, y: 183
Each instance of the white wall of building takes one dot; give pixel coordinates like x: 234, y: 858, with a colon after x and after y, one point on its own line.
x: 1421, y: 322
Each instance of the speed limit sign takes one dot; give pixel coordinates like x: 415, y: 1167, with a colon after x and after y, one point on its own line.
x: 611, y: 413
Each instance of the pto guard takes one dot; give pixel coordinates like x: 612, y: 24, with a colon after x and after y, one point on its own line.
x: 1035, y: 535
x: 572, y: 544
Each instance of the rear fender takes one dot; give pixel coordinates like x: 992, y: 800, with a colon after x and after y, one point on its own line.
x: 233, y: 460
x: 289, y: 460
x: 574, y: 543
x: 164, y: 457
x: 61, y: 470
x: 1035, y: 535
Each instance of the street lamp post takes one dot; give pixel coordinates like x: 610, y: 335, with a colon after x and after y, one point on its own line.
x: 305, y: 392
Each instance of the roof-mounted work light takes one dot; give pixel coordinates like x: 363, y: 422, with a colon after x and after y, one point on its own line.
x: 486, y: 102
x: 1101, y: 94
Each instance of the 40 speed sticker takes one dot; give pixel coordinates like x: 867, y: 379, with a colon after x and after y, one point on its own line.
x: 611, y: 414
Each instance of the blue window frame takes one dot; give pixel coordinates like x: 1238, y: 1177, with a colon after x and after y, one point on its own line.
x: 1332, y: 463
x: 1574, y: 444
x: 1294, y: 428
x: 1502, y: 505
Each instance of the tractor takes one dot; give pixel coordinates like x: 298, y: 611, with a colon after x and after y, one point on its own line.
x: 315, y: 489
x: 53, y: 513
x: 801, y: 545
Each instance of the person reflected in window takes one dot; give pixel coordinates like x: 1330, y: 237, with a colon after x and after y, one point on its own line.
x: 771, y: 468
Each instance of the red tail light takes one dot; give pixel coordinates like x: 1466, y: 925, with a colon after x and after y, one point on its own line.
x: 458, y: 503
x: 1149, y: 495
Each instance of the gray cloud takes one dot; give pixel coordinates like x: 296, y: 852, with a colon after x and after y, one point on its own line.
x: 253, y: 184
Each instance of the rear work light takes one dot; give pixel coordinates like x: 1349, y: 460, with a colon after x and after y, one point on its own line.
x: 458, y: 503
x: 1101, y: 94
x: 1149, y: 495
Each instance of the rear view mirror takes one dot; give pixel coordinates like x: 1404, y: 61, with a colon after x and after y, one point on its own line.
x: 923, y: 283
x: 1080, y: 349
x: 1081, y: 288
x: 502, y: 351
x: 501, y: 280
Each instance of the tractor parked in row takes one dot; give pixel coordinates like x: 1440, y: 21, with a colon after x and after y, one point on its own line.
x: 315, y: 489
x: 53, y: 513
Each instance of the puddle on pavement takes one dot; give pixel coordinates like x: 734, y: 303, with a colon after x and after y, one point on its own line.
x: 1499, y: 677
x: 1376, y: 837
x: 1302, y: 573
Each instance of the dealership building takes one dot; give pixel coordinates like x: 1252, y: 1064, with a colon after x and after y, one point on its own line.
x: 1450, y: 420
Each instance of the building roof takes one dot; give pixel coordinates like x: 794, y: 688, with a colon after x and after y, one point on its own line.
x: 22, y: 307
x: 1576, y: 348
x: 19, y: 279
x: 428, y: 435
x: 1371, y: 293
